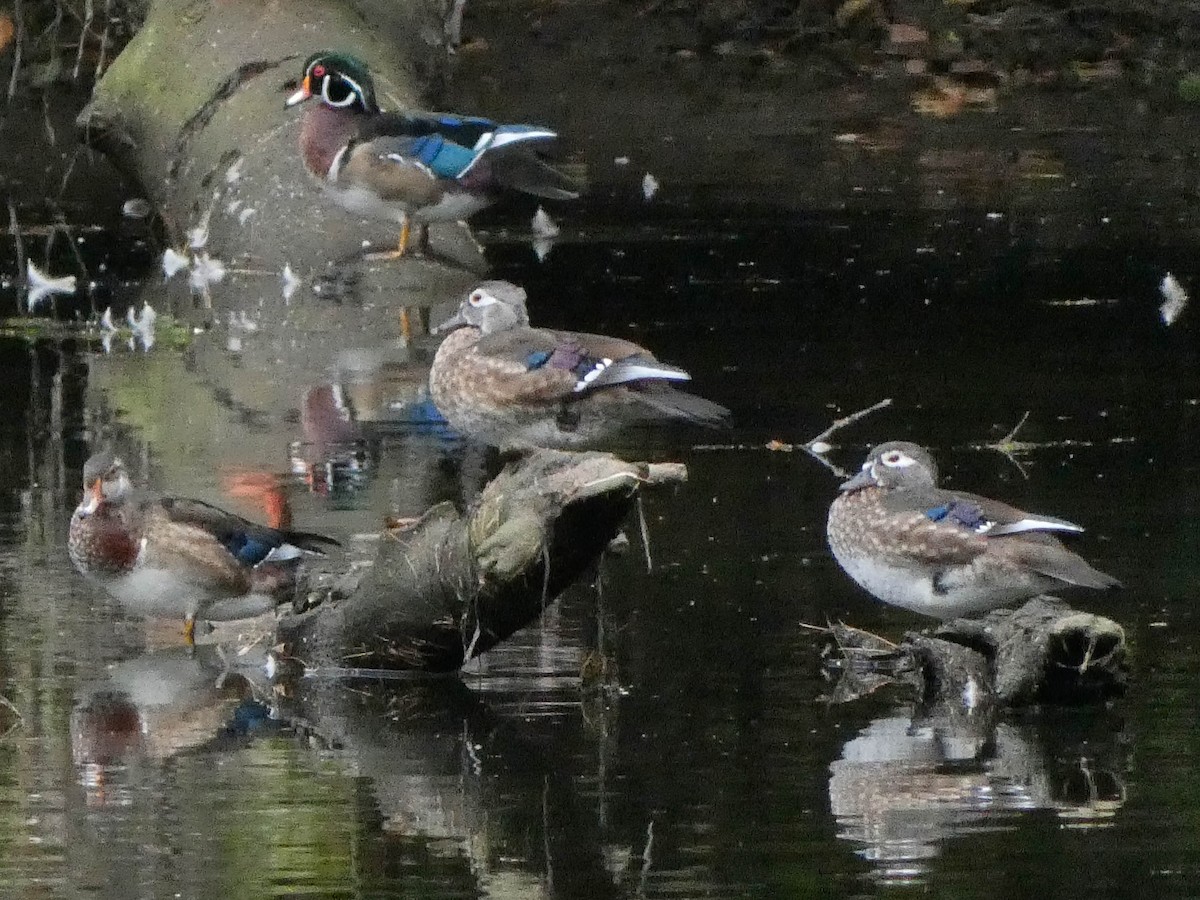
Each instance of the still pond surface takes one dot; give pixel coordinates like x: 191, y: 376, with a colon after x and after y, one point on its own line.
x: 702, y: 761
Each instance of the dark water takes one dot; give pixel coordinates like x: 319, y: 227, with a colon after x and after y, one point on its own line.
x: 703, y: 762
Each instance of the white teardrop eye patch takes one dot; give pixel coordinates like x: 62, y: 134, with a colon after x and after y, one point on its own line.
x: 480, y: 298
x: 896, y: 459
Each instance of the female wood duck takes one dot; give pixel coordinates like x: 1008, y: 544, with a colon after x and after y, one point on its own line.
x: 168, y: 556
x: 498, y: 380
x: 412, y: 167
x: 945, y: 553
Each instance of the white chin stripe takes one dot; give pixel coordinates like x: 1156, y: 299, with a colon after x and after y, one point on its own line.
x: 336, y: 166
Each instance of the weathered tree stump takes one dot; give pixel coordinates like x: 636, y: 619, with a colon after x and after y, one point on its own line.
x: 1042, y: 652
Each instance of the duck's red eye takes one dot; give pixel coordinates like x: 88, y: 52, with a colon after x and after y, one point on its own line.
x: 318, y: 71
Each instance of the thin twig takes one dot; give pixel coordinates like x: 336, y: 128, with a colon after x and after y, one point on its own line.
x: 839, y: 424
x: 18, y: 48
x: 645, y: 529
x: 103, y: 40
x: 1008, y: 446
x: 18, y: 242
x: 20, y: 719
x: 818, y: 446
x: 1008, y: 438
x: 84, y: 31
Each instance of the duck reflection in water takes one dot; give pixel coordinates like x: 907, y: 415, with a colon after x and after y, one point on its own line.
x: 908, y: 783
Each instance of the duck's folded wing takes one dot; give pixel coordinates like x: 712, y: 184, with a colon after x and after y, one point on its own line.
x: 543, y: 365
x: 246, y: 541
x: 972, y: 512
x: 465, y: 131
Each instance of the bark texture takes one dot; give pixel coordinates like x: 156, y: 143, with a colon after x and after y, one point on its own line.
x: 454, y: 585
x: 1042, y: 652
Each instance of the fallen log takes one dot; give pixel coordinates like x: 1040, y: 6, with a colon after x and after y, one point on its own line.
x: 455, y: 584
x: 192, y: 110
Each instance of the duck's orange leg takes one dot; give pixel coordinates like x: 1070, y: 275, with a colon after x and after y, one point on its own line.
x: 401, y: 245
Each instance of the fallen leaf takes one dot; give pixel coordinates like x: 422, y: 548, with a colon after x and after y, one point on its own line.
x: 940, y: 103
x: 900, y: 33
x: 851, y: 10
x: 780, y: 446
x: 7, y: 30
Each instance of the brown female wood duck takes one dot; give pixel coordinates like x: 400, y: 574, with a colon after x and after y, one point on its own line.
x: 946, y: 553
x: 168, y: 556
x: 412, y: 167
x: 498, y: 380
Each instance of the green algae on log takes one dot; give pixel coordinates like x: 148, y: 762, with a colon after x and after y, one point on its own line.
x: 454, y: 585
x: 192, y: 109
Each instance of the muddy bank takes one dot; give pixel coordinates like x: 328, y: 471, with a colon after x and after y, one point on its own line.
x: 883, y: 112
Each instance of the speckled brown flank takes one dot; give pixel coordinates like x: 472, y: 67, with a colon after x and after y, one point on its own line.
x: 859, y: 526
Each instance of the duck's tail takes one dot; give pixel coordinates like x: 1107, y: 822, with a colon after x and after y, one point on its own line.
x: 670, y: 403
x: 522, y: 170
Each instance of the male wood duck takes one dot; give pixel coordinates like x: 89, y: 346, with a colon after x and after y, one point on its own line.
x: 167, y: 556
x: 945, y: 553
x: 412, y: 167
x: 498, y: 380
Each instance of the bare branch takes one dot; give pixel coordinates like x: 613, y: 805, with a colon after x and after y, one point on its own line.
x: 18, y: 242
x: 839, y: 424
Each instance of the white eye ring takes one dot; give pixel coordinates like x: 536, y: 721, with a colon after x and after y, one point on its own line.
x: 895, y: 459
x: 349, y: 100
x: 480, y: 298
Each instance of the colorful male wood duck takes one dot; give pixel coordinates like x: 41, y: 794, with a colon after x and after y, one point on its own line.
x: 167, y: 556
x: 498, y: 380
x: 945, y: 553
x: 412, y: 167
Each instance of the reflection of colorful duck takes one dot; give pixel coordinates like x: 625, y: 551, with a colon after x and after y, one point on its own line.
x: 378, y: 392
x: 265, y: 490
x: 169, y: 556
x: 158, y: 705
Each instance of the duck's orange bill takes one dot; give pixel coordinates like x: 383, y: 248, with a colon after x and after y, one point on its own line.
x: 301, y: 95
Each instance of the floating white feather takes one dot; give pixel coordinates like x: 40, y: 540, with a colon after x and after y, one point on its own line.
x: 649, y: 186
x: 206, y: 270
x: 42, y: 285
x: 543, y: 226
x: 172, y: 262
x: 1175, y: 298
x: 290, y: 282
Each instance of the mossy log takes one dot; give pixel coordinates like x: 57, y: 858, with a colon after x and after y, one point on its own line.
x: 455, y: 584
x: 192, y: 110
